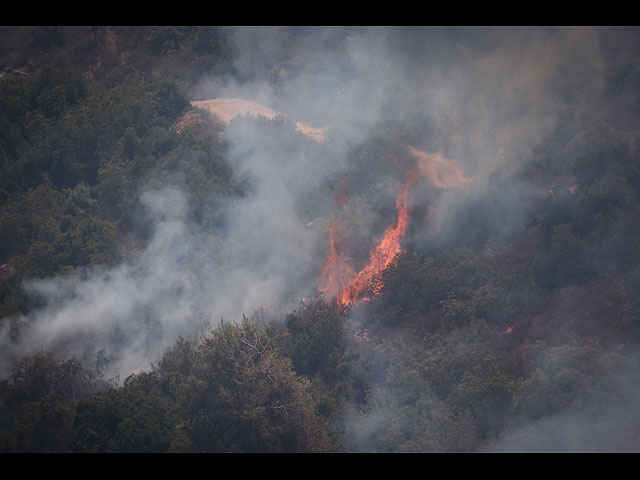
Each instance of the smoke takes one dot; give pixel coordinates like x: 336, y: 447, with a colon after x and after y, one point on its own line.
x: 484, y: 97
x: 129, y: 312
x: 604, y: 421
x: 267, y: 253
x: 576, y: 432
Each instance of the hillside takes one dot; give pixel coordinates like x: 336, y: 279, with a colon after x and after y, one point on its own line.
x: 219, y: 239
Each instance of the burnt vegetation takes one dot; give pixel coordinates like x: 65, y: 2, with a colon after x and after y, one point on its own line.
x: 465, y: 341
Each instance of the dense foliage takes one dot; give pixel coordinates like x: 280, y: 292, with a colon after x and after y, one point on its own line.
x: 462, y: 348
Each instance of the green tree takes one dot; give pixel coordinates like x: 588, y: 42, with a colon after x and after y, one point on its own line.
x: 245, y: 397
x: 315, y: 338
x: 38, y: 402
x: 43, y: 426
x: 137, y: 417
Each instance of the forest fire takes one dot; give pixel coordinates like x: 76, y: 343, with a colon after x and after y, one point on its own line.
x: 337, y: 274
x: 340, y: 281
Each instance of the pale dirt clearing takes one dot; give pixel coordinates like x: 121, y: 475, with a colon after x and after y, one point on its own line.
x: 225, y: 109
x: 442, y: 172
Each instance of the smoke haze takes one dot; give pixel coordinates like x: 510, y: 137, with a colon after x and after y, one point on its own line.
x: 484, y: 98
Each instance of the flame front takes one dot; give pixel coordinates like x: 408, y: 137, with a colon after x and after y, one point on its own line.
x: 340, y: 281
x: 337, y: 274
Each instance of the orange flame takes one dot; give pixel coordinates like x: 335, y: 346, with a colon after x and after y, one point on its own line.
x: 336, y: 272
x: 340, y: 281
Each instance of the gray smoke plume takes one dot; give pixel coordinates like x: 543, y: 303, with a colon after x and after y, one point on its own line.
x: 486, y: 97
x: 605, y: 421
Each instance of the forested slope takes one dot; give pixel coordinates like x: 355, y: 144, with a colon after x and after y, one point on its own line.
x: 161, y: 288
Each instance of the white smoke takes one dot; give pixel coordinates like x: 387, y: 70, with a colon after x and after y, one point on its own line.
x: 486, y: 97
